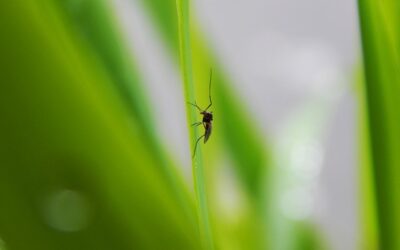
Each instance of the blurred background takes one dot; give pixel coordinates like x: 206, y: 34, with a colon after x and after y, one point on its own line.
x: 96, y: 147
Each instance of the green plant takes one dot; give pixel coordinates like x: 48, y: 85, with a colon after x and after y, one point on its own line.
x: 380, y: 40
x: 82, y: 165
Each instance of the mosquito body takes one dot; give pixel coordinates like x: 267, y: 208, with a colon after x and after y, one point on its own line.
x: 207, y: 119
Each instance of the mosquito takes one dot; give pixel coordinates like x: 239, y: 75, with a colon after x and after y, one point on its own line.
x: 207, y: 118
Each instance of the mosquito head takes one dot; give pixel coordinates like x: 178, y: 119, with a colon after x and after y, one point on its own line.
x: 207, y: 116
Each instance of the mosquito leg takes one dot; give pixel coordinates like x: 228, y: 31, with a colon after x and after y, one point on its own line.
x: 196, y: 124
x: 195, y: 105
x: 195, y: 146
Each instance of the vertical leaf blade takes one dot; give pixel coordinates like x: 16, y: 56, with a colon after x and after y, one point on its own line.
x: 197, y: 162
x: 380, y: 39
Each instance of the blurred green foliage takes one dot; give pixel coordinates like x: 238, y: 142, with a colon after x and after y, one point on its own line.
x: 380, y: 39
x: 82, y: 165
x: 66, y: 128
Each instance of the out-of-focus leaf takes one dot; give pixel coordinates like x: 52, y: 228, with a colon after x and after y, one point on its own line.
x: 93, y: 22
x: 243, y: 140
x: 65, y: 135
x: 163, y: 12
x: 369, y: 228
x: 381, y: 49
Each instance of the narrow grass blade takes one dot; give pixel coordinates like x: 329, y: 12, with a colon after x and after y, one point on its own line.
x: 197, y: 163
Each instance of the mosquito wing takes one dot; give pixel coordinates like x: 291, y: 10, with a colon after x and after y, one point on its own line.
x: 207, y: 134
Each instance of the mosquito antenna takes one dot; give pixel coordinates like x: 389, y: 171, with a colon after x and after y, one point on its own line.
x: 209, y: 90
x: 195, y: 146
